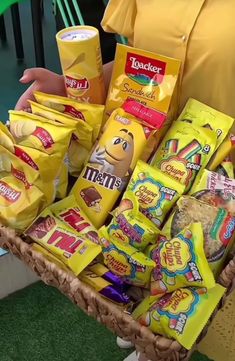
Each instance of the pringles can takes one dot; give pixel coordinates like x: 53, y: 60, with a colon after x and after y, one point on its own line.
x: 81, y: 62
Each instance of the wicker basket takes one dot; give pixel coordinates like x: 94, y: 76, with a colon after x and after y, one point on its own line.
x: 154, y: 347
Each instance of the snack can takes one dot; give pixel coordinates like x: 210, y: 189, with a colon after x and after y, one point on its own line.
x: 81, y: 62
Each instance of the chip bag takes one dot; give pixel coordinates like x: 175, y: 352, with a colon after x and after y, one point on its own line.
x: 180, y: 315
x: 63, y: 241
x: 180, y: 262
x: 109, y: 168
x: 202, y: 115
x: 215, y: 189
x: 184, y: 152
x: 155, y: 191
x: 125, y: 261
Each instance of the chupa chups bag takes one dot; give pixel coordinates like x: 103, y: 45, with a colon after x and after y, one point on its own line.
x: 142, y: 76
x: 218, y: 228
x: 180, y: 315
x: 63, y: 241
x: 202, y: 115
x: 154, y: 190
x: 224, y: 151
x: 91, y: 114
x: 215, y: 189
x: 226, y: 168
x: 110, y: 166
x: 185, y: 151
x: 180, y: 262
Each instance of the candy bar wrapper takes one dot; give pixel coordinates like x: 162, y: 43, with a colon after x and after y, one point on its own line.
x: 49, y: 256
x: 225, y: 149
x: 69, y: 212
x: 226, y: 168
x: 202, y: 115
x: 100, y: 270
x: 155, y: 191
x: 125, y: 261
x: 62, y: 241
x: 185, y: 151
x: 129, y: 225
x: 218, y: 228
x: 180, y: 262
x: 215, y: 189
x: 180, y: 315
x: 111, y: 163
x: 92, y: 114
x: 104, y: 287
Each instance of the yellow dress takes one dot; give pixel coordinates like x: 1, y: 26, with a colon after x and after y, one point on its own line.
x: 201, y: 33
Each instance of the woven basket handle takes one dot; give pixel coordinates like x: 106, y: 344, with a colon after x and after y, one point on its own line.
x: 227, y: 277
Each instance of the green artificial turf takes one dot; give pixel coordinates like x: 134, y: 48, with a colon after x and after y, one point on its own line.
x: 40, y: 324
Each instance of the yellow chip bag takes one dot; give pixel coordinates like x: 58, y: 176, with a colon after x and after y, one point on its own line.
x: 49, y: 256
x: 226, y: 168
x: 6, y: 139
x: 91, y: 114
x: 180, y: 315
x: 109, y: 168
x: 125, y: 261
x: 63, y: 241
x: 180, y: 262
x: 77, y: 157
x: 227, y: 147
x: 202, y: 115
x: 184, y: 152
x: 155, y: 191
x: 142, y: 76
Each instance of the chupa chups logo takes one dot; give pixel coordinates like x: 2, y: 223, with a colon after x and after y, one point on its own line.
x: 76, y: 84
x: 144, y: 70
x: 9, y: 193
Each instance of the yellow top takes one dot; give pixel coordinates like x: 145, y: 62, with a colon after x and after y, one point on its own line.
x: 201, y: 33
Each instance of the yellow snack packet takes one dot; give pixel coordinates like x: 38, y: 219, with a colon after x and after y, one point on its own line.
x: 216, y: 190
x: 130, y: 226
x: 154, y: 190
x: 202, y: 115
x: 49, y: 256
x: 82, y: 131
x: 92, y: 114
x: 180, y: 262
x: 69, y: 212
x: 108, y: 170
x: 185, y: 151
x: 125, y: 261
x: 64, y: 242
x: 61, y: 181
x: 142, y: 76
x: 180, y: 315
x: 6, y: 139
x: 223, y: 152
x: 77, y: 157
x: 226, y: 168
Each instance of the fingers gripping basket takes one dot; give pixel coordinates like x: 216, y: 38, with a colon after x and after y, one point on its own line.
x: 154, y: 347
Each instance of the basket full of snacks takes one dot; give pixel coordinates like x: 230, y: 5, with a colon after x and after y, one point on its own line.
x: 128, y: 214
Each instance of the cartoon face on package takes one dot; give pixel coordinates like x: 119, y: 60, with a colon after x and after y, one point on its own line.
x: 40, y: 133
x: 110, y: 165
x: 180, y: 262
x: 64, y: 242
x: 143, y: 76
x: 69, y: 212
x: 216, y: 190
x: 184, y: 152
x: 204, y: 116
x: 155, y: 191
x: 130, y: 226
x: 125, y: 261
x: 92, y: 114
x: 180, y: 315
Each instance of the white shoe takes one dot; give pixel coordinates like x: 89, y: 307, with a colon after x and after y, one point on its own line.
x: 134, y: 356
x: 124, y: 344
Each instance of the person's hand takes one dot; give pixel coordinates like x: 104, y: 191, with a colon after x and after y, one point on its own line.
x: 43, y: 80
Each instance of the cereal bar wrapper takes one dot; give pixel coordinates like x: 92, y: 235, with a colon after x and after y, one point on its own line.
x: 145, y: 77
x: 180, y: 262
x: 226, y: 168
x: 101, y: 270
x: 111, y: 163
x: 125, y: 261
x: 104, y: 287
x: 215, y: 189
x: 92, y: 114
x: 202, y: 115
x: 64, y: 242
x: 218, y: 228
x: 155, y: 191
x: 130, y: 226
x: 224, y: 151
x: 180, y: 315
x: 70, y: 213
x: 184, y: 152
